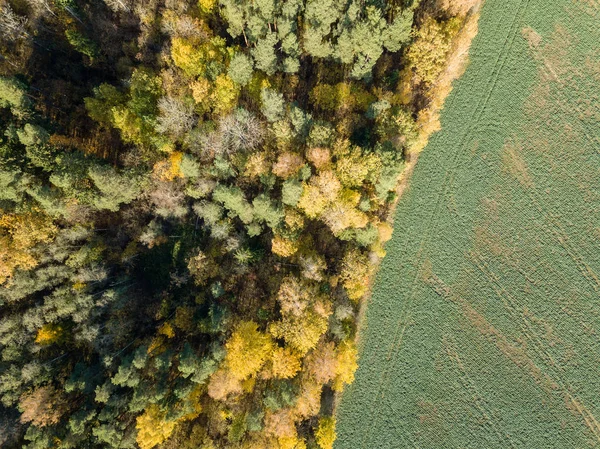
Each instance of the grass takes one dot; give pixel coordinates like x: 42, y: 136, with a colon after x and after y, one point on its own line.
x: 483, y: 328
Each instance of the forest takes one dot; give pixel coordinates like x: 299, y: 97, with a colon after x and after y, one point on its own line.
x: 194, y: 197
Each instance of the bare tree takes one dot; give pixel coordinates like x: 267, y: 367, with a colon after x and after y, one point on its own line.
x: 118, y: 5
x: 239, y: 131
x: 176, y: 117
x: 168, y: 200
x: 12, y: 25
x: 40, y: 6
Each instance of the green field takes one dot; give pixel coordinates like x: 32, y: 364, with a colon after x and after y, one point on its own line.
x: 484, y: 326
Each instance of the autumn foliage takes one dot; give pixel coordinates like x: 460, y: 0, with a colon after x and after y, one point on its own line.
x: 194, y: 197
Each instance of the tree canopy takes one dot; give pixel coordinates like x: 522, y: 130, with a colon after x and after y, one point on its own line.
x: 194, y: 197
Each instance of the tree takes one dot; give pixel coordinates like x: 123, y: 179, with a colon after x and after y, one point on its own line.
x: 354, y: 168
x: 343, y: 213
x: 322, y: 363
x: 355, y: 274
x: 291, y: 192
x: 288, y: 164
x: 118, y: 5
x: 100, y: 106
x: 272, y: 104
x: 458, y: 7
x: 153, y: 428
x: 240, y: 69
x: 398, y: 32
x: 32, y: 135
x: 168, y: 200
x: 176, y: 117
x: 266, y: 211
x: 285, y: 363
x: 397, y: 123
x: 247, y: 350
x: 319, y: 16
x: 432, y: 42
x: 115, y: 188
x: 9, y: 183
x: 43, y: 406
x: 134, y: 112
x: 12, y: 25
x: 294, y: 296
x: 13, y: 95
x: 264, y: 54
x: 237, y: 132
x: 82, y: 44
x: 362, y: 44
x: 222, y: 384
x: 319, y: 157
x: 325, y: 432
x: 224, y: 95
x: 346, y: 358
x: 199, y: 57
x: 19, y: 234
x: 234, y: 201
x: 301, y: 332
x: 48, y: 334
x: 284, y: 247
x: 280, y: 423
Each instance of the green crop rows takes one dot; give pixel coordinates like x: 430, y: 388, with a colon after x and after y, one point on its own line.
x: 484, y: 326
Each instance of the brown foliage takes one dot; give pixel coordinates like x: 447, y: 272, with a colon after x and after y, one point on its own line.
x: 458, y: 7
x: 280, y: 423
x: 309, y: 400
x: 287, y: 164
x: 321, y: 363
x: 320, y: 157
x: 42, y: 407
x: 222, y: 384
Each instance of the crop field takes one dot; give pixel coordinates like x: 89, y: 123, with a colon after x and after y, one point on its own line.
x: 484, y: 326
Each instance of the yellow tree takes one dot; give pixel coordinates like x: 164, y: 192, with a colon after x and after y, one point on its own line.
x: 247, y: 350
x: 284, y: 247
x: 346, y: 357
x: 193, y: 55
x: 48, y: 334
x: 356, y: 273
x: 19, y: 233
x: 433, y: 41
x: 343, y: 213
x: 325, y: 432
x: 285, y: 363
x: 301, y: 332
x: 153, y: 427
x: 321, y: 191
x: 224, y: 96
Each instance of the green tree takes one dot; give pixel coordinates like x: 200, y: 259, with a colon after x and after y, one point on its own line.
x: 32, y: 135
x: 13, y: 95
x: 235, y: 202
x: 265, y: 210
x: 240, y: 69
x: 264, y: 54
x: 82, y: 44
x: 115, y: 188
x: 273, y: 104
x: 10, y: 188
